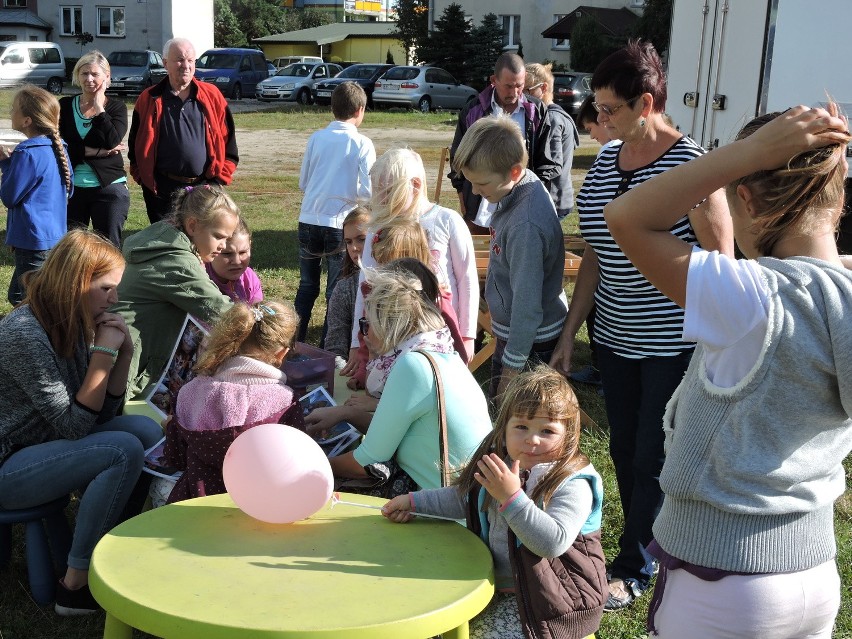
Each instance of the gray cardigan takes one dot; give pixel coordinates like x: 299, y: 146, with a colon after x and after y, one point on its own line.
x: 341, y: 315
x: 39, y: 388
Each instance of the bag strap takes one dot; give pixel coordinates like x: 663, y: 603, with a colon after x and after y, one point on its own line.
x: 442, y: 420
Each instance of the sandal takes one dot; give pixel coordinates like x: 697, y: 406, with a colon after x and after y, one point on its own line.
x: 622, y: 594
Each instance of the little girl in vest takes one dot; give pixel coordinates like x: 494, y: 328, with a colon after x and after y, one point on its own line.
x: 341, y: 304
x: 230, y: 269
x: 757, y: 431
x: 535, y: 499
x: 399, y: 191
x: 239, y: 385
x: 36, y: 182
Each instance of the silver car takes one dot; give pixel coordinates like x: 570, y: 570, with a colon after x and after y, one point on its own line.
x: 134, y: 71
x: 295, y: 81
x: 423, y: 88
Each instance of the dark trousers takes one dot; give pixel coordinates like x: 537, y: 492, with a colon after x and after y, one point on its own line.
x: 315, y: 243
x: 540, y: 354
x: 636, y: 392
x: 106, y: 207
x: 25, y: 260
x: 159, y: 205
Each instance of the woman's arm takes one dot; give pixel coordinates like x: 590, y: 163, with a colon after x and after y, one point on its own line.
x: 711, y: 221
x: 640, y: 219
x: 462, y: 261
x: 345, y: 466
x: 582, y: 302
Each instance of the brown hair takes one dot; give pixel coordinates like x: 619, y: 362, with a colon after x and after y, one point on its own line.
x: 587, y: 114
x: 795, y: 196
x: 257, y: 331
x: 207, y: 203
x: 359, y: 216
x: 58, y: 292
x: 491, y: 145
x: 346, y: 99
x: 632, y: 71
x: 541, y: 391
x: 510, y: 61
x: 402, y: 237
x: 43, y: 109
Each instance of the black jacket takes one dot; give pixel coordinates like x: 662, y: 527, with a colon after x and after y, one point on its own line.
x: 107, y: 132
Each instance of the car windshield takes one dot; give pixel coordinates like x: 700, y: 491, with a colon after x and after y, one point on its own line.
x: 128, y: 59
x: 358, y: 72
x: 402, y: 73
x: 218, y: 61
x: 299, y: 70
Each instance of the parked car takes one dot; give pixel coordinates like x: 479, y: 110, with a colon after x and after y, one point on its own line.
x: 235, y: 72
x: 39, y: 63
x: 364, y: 74
x: 422, y: 88
x: 287, y: 60
x: 271, y: 69
x: 134, y: 71
x: 570, y: 89
x: 294, y: 82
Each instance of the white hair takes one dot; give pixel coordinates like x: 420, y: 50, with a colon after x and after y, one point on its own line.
x: 175, y: 41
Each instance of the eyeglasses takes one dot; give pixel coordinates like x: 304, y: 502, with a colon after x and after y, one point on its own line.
x: 363, y: 325
x: 534, y: 87
x: 605, y: 108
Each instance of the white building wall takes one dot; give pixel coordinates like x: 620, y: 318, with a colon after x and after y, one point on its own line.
x: 191, y: 19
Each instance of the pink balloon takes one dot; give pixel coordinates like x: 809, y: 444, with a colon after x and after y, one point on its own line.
x: 277, y: 474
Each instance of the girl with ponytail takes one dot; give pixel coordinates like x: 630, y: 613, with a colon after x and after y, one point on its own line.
x: 240, y: 384
x: 36, y: 183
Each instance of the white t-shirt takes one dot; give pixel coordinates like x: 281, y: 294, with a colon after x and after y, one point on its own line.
x: 727, y: 303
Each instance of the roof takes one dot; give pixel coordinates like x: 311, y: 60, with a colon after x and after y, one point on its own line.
x: 23, y: 17
x: 328, y: 33
x: 613, y: 22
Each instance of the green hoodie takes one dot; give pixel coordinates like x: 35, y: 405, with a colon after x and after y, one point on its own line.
x: 163, y: 281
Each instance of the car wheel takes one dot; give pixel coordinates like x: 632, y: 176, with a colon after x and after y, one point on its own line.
x: 54, y: 85
x: 425, y: 104
x: 304, y: 97
x: 237, y: 93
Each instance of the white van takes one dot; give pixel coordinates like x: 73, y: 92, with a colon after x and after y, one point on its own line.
x: 280, y: 63
x: 39, y: 63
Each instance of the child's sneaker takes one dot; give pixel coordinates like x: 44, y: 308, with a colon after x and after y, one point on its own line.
x: 72, y: 603
x: 587, y: 375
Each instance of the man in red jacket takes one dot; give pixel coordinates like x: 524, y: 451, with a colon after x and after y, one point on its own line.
x: 182, y: 133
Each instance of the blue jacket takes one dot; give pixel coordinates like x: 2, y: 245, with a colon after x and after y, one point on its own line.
x: 34, y: 193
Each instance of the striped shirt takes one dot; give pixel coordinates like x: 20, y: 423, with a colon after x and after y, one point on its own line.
x: 632, y: 317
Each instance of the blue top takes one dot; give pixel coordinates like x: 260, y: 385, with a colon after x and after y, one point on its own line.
x: 32, y: 189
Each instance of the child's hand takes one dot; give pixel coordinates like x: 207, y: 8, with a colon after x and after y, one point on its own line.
x: 497, y: 478
x: 398, y: 509
x: 351, y: 363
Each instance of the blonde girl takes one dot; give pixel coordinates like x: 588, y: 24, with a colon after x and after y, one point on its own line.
x: 36, y: 183
x: 400, y: 191
x: 239, y: 384
x: 165, y: 277
x: 535, y: 499
x: 230, y: 269
x: 341, y: 304
x: 564, y: 137
x: 745, y: 537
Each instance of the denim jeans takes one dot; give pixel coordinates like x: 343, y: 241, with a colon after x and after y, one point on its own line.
x: 315, y: 243
x: 105, y: 464
x: 636, y: 392
x: 540, y: 354
x: 25, y: 261
x: 106, y: 207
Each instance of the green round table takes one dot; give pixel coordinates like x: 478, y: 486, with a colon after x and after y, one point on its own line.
x: 204, y: 569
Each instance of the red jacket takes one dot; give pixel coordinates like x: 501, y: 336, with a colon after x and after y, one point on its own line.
x: 145, y: 128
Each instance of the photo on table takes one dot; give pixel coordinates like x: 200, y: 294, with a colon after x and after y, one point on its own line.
x: 339, y: 437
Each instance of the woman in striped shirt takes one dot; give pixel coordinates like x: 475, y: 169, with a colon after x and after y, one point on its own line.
x: 641, y: 355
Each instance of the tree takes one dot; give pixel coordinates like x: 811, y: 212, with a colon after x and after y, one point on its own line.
x: 389, y: 58
x: 442, y: 48
x: 655, y: 24
x: 83, y: 39
x: 258, y: 18
x: 412, y: 25
x: 309, y: 18
x: 485, y: 46
x: 226, y: 29
x: 589, y: 45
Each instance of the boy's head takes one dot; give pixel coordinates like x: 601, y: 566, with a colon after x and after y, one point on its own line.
x: 492, y: 156
x: 348, y: 101
x: 587, y: 118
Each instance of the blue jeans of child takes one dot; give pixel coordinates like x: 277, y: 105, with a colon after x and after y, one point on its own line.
x: 25, y: 261
x: 636, y: 392
x: 105, y: 464
x: 315, y: 243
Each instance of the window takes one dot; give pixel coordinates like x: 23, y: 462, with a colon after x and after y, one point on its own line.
x: 47, y: 55
x: 15, y: 3
x: 72, y: 21
x: 560, y: 43
x: 111, y: 22
x: 511, y: 31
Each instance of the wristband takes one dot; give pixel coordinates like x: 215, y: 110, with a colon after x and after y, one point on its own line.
x: 105, y: 349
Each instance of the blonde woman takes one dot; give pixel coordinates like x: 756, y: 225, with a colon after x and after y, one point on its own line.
x: 564, y: 137
x: 93, y: 126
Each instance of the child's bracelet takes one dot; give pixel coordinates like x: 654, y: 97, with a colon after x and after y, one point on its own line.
x: 105, y: 349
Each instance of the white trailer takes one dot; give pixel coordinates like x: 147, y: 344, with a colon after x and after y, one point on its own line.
x: 731, y: 60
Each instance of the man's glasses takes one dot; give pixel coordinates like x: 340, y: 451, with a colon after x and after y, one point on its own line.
x: 363, y: 325
x: 610, y: 111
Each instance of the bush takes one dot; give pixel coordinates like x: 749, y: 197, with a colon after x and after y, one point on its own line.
x: 69, y: 67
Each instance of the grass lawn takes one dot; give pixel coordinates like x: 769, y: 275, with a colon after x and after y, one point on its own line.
x: 270, y: 203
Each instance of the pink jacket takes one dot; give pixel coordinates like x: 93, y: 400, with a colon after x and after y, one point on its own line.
x: 212, y: 411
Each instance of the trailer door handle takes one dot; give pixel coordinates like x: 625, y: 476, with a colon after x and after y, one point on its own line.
x: 720, y: 102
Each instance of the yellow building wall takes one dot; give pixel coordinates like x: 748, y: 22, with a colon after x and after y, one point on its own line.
x: 367, y: 50
x: 272, y: 51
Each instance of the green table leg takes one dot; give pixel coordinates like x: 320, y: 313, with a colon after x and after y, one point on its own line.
x: 115, y: 629
x: 462, y: 632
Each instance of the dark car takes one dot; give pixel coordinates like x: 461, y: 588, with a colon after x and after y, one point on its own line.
x: 236, y: 72
x: 364, y: 74
x: 134, y: 71
x: 570, y: 89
